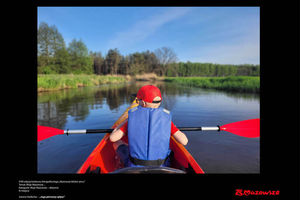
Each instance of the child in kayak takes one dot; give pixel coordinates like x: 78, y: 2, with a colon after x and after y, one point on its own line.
x: 149, y: 128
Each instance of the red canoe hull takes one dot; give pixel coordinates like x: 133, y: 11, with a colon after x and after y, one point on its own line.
x: 103, y: 158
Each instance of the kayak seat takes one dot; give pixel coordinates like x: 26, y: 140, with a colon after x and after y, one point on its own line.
x: 97, y: 170
x: 148, y: 170
x: 151, y: 169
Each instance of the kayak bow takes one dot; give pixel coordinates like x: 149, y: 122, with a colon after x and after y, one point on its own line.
x: 104, y: 159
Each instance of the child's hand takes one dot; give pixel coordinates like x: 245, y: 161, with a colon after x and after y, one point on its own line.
x: 116, y: 135
x: 180, y: 137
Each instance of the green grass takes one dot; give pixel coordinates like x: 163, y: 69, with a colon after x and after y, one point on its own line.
x: 232, y: 83
x: 62, y: 81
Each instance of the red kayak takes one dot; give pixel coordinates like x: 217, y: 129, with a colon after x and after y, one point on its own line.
x: 104, y: 159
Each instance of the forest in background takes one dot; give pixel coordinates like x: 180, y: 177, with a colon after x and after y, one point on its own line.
x: 55, y: 57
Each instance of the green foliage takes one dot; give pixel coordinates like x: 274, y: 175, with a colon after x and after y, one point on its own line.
x: 49, y: 69
x: 232, y: 83
x: 98, y: 62
x: 50, y: 41
x: 55, y: 58
x: 112, y: 61
x: 61, y: 81
x: 208, y: 69
x: 81, y: 62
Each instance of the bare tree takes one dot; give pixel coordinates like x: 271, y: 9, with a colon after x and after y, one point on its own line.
x: 165, y: 56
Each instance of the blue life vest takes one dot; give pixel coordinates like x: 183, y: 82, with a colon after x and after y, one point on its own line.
x: 149, y: 132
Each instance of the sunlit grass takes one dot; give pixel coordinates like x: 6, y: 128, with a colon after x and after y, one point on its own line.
x: 62, y: 81
x: 232, y: 83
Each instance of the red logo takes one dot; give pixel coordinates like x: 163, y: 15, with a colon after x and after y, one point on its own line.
x: 241, y: 192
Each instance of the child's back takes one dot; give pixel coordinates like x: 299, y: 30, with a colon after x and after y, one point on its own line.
x: 149, y: 128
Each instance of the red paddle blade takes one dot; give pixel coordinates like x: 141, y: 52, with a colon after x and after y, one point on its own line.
x: 44, y: 132
x: 248, y: 128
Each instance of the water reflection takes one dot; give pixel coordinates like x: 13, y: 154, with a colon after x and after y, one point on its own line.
x: 100, y: 107
x: 55, y: 107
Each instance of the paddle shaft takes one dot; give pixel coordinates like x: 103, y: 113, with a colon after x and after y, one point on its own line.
x: 90, y: 131
x: 247, y: 128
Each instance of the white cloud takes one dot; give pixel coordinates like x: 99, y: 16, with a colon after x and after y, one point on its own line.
x: 145, y: 27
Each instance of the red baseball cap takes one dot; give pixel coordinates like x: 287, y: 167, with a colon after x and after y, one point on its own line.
x: 148, y: 93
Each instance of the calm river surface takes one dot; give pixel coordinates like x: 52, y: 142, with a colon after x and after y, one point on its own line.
x: 99, y: 107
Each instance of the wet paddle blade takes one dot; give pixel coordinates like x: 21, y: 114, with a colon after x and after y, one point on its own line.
x: 44, y: 132
x: 247, y: 128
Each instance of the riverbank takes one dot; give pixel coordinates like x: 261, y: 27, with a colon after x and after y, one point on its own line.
x: 232, y: 83
x: 64, y: 81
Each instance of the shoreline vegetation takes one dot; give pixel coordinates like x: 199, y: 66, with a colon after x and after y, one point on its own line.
x: 52, y: 82
x: 247, y: 84
x: 61, y: 66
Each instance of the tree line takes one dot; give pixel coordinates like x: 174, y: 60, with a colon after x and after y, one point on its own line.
x: 209, y: 69
x: 55, y: 57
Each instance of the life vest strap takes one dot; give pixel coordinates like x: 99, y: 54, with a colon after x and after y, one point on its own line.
x: 137, y: 161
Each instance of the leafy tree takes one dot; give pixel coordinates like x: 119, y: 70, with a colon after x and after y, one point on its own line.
x: 56, y: 40
x: 43, y: 44
x: 137, y: 63
x: 124, y: 66
x: 55, y: 57
x: 151, y: 61
x: 81, y: 61
x: 49, y: 42
x: 63, y: 61
x: 112, y: 61
x: 98, y: 61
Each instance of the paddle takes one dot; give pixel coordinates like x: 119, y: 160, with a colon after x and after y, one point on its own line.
x: 246, y: 128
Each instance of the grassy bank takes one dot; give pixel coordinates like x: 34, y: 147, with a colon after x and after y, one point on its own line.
x: 232, y: 83
x: 63, y: 81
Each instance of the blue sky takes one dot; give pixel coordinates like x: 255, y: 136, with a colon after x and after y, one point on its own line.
x: 224, y: 35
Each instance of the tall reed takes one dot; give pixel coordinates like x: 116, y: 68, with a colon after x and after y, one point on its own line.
x: 62, y: 81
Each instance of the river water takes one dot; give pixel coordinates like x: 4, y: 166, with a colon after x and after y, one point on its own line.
x: 99, y: 107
